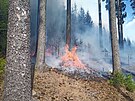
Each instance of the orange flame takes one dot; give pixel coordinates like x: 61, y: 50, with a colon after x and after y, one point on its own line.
x: 70, y: 59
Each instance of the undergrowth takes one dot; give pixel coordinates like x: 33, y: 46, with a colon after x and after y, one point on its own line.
x: 2, y: 65
x: 121, y: 80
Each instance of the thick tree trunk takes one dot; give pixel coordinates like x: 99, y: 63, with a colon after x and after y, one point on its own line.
x: 17, y: 84
x: 100, y: 24
x: 68, y: 23
x: 40, y: 61
x: 114, y: 40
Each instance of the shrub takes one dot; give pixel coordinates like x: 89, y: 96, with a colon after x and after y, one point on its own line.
x: 2, y: 65
x: 121, y: 80
x: 117, y: 79
x: 129, y: 83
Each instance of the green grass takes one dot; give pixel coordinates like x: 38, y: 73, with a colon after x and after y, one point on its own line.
x: 2, y: 65
x: 121, y: 80
x: 129, y: 83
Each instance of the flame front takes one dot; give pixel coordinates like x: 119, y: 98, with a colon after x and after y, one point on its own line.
x: 70, y: 59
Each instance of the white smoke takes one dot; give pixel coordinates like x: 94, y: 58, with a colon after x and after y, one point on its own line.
x: 89, y: 50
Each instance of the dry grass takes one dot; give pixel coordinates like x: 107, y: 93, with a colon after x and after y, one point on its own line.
x: 53, y: 86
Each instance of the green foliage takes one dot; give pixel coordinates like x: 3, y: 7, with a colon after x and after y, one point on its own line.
x: 3, y: 41
x: 129, y: 83
x: 3, y: 13
x: 121, y: 80
x: 133, y: 5
x: 118, y: 79
x: 2, y: 65
x: 3, y: 25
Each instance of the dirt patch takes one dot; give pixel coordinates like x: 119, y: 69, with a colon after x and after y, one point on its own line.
x: 54, y: 86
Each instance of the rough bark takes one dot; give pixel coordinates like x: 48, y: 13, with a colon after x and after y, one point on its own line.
x: 100, y: 24
x: 68, y: 23
x: 114, y: 39
x: 40, y: 61
x: 17, y: 84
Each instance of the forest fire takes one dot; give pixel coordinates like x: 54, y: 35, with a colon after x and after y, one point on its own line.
x: 70, y: 59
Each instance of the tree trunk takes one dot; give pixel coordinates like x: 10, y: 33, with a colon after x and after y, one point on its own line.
x: 68, y: 23
x: 17, y: 84
x: 120, y: 29
x: 40, y: 61
x: 118, y: 18
x: 100, y: 24
x: 109, y: 13
x: 38, y: 17
x: 114, y: 40
x: 122, y: 39
x: 121, y: 26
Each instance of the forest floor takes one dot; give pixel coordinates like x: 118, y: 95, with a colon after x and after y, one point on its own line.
x: 54, y: 86
x: 1, y: 85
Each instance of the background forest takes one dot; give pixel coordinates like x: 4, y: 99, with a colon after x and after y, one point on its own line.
x: 84, y: 32
x: 3, y: 26
x: 85, y: 35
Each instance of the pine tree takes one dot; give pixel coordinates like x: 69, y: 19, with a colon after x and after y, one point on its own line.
x: 17, y: 84
x: 40, y: 61
x: 81, y: 20
x: 121, y: 14
x: 133, y: 5
x: 114, y: 40
x: 88, y: 20
x: 68, y: 25
x: 100, y: 24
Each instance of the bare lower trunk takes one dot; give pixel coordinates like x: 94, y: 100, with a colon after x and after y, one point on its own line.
x: 122, y: 39
x: 40, y: 61
x: 100, y: 24
x: 68, y: 25
x: 17, y: 84
x: 120, y: 29
x: 114, y: 39
x: 109, y: 20
x: 121, y: 26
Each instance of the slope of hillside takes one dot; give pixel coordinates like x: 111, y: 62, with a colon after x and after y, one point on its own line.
x: 54, y: 86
